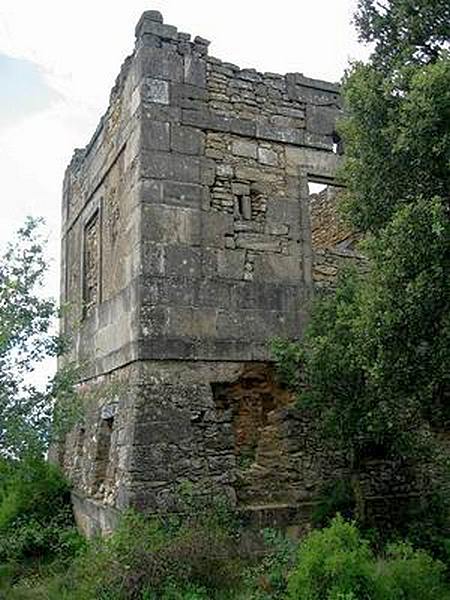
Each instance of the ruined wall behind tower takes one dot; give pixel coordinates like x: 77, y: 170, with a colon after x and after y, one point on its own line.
x: 187, y: 246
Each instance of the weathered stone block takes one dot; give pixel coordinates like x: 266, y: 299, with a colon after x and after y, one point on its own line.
x: 174, y: 291
x: 151, y: 190
x: 240, y: 189
x: 207, y: 171
x: 182, y: 261
x: 161, y: 63
x: 171, y: 224
x: 155, y: 90
x: 276, y: 267
x: 277, y: 229
x: 155, y: 135
x: 175, y: 167
x: 172, y: 430
x: 230, y: 264
x: 255, y: 174
x: 279, y: 134
x: 284, y: 211
x: 244, y: 148
x: 183, y: 194
x: 153, y: 320
x: 192, y: 322
x: 188, y: 96
x: 242, y: 127
x: 187, y: 140
x: 321, y: 119
x: 214, y: 227
x: 195, y: 71
x: 267, y: 157
x: 214, y: 293
x: 152, y: 258
x: 314, y: 162
x: 206, y: 120
x: 259, y: 242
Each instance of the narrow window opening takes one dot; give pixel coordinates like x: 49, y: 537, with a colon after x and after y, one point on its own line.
x: 338, y: 147
x: 316, y: 188
x: 103, y: 451
x: 80, y: 446
x: 243, y: 207
x: 240, y: 205
x: 91, y: 264
x: 80, y: 441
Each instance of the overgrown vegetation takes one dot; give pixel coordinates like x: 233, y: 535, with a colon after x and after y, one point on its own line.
x: 27, y: 324
x: 38, y: 537
x: 196, y: 555
x: 336, y: 563
x: 374, y: 363
x: 373, y: 367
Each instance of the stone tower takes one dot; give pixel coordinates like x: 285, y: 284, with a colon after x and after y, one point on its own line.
x: 186, y: 246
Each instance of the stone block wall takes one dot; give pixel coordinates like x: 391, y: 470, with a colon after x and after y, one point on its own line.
x: 187, y: 245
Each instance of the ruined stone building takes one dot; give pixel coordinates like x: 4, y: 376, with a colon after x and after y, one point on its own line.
x: 191, y: 237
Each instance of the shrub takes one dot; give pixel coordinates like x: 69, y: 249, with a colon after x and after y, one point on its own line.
x: 267, y: 578
x: 426, y: 525
x: 409, y: 574
x: 332, y: 564
x: 35, y: 513
x: 335, y: 497
x: 336, y: 563
x: 175, y: 557
x: 35, y: 489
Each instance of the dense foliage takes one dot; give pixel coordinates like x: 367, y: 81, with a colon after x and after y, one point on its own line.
x: 338, y: 564
x: 27, y: 324
x: 25, y: 339
x: 199, y: 554
x: 374, y: 362
x: 38, y: 538
x: 34, y: 510
x: 404, y: 32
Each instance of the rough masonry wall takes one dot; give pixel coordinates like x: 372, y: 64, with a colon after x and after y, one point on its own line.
x: 334, y: 245
x: 100, y: 238
x: 187, y: 246
x: 226, y: 155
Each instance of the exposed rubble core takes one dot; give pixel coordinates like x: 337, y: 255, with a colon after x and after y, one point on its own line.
x: 186, y: 246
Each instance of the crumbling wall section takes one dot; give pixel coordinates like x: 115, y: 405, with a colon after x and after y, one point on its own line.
x: 225, y: 156
x: 187, y: 246
x: 334, y: 244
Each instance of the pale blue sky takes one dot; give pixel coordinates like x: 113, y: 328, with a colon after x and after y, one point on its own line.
x: 24, y: 89
x: 59, y: 59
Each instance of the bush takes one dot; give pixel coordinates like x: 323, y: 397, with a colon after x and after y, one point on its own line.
x: 411, y: 575
x: 427, y: 525
x: 336, y: 563
x: 35, y: 513
x: 335, y: 497
x: 175, y: 557
x: 267, y: 579
x: 333, y: 564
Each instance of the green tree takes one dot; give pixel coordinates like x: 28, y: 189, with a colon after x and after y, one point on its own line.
x: 27, y: 323
x: 375, y: 359
x: 404, y: 31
